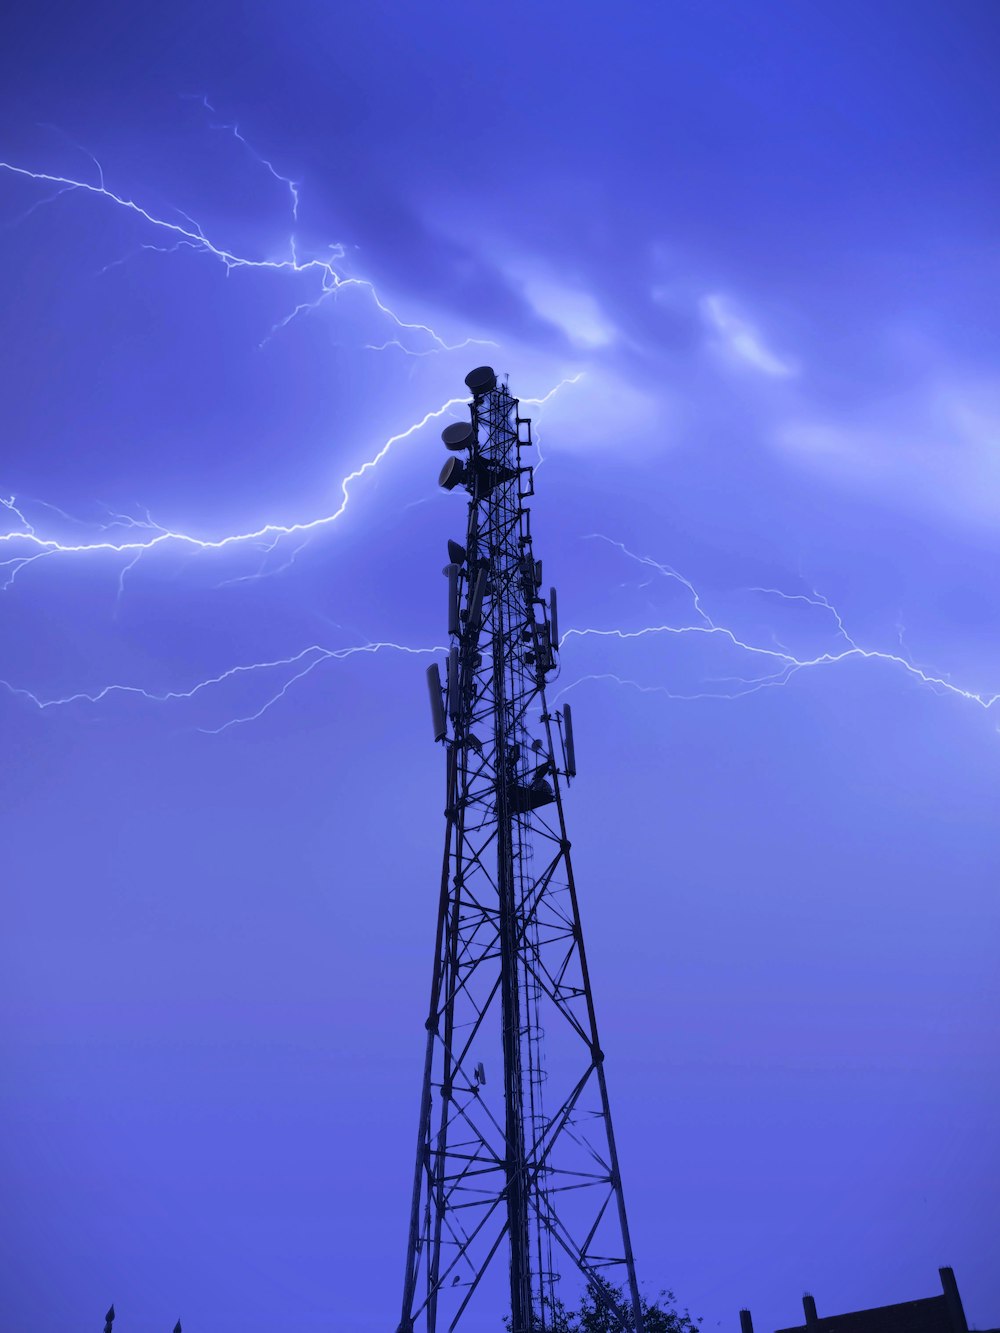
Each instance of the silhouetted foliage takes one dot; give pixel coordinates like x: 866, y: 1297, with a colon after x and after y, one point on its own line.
x: 605, y: 1308
x: 109, y: 1319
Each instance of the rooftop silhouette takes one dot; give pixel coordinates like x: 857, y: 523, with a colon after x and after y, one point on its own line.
x: 928, y: 1314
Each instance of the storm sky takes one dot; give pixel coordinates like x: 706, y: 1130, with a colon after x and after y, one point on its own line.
x: 747, y: 256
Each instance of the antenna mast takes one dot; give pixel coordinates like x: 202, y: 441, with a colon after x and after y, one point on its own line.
x: 515, y: 1148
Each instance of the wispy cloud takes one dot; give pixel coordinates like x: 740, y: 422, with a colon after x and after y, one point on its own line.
x: 937, y: 446
x: 740, y: 339
x: 573, y: 310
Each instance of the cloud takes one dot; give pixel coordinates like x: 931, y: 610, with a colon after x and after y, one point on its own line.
x: 740, y: 340
x: 574, y: 311
x: 600, y: 412
x: 937, y: 446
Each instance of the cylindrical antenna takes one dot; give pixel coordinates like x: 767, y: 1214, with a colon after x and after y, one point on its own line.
x: 437, y: 707
x: 453, y: 684
x: 554, y: 618
x: 476, y: 604
x: 459, y: 435
x: 454, y: 624
x: 482, y: 380
x: 570, y: 748
x: 452, y: 474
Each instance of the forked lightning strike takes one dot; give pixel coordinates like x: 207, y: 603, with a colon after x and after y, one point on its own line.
x: 304, y: 661
x: 38, y: 547
x: 41, y: 547
x: 27, y: 544
x: 234, y: 130
x: 193, y: 237
x: 786, y: 664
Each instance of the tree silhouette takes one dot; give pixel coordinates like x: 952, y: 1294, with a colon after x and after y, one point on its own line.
x: 109, y: 1319
x: 605, y: 1308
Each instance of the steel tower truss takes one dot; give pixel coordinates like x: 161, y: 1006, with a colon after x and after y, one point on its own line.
x: 515, y: 1151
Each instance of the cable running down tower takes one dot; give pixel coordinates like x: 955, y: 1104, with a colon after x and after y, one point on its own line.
x: 516, y: 1154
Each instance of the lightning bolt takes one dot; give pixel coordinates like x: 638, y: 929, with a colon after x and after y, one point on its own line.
x: 665, y: 570
x: 814, y: 599
x: 131, y: 538
x: 192, y: 236
x: 788, y: 666
x: 778, y: 666
x: 427, y: 351
x: 539, y: 402
x: 304, y: 663
x: 784, y: 664
x: 41, y: 546
x: 271, y: 533
x: 234, y: 130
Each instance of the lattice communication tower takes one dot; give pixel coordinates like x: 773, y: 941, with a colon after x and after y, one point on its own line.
x: 516, y: 1154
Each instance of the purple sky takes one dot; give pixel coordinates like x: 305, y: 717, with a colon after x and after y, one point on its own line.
x: 756, y: 246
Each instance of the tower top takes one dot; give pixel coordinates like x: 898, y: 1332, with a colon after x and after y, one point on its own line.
x: 482, y: 380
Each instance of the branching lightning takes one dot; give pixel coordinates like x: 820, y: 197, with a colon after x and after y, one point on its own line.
x: 132, y: 538
x: 27, y: 538
x: 192, y: 236
x: 25, y: 542
x: 234, y: 130
x: 784, y: 665
x: 665, y: 570
x: 303, y: 663
x: 267, y: 532
x: 539, y: 402
x: 129, y: 538
x: 778, y: 666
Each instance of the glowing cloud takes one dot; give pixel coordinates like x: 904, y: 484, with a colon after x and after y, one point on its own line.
x: 571, y: 309
x: 740, y: 339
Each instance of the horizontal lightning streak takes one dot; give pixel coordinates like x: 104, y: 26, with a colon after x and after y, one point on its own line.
x: 787, y: 664
x: 306, y: 660
x: 234, y: 130
x: 428, y: 351
x: 570, y: 379
x: 538, y: 402
x: 28, y: 543
x: 51, y: 546
x: 40, y: 546
x: 791, y: 665
x: 313, y: 656
x: 815, y: 599
x: 665, y: 570
x: 193, y: 236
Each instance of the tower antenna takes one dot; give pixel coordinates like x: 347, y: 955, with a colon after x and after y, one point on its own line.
x: 516, y: 1154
